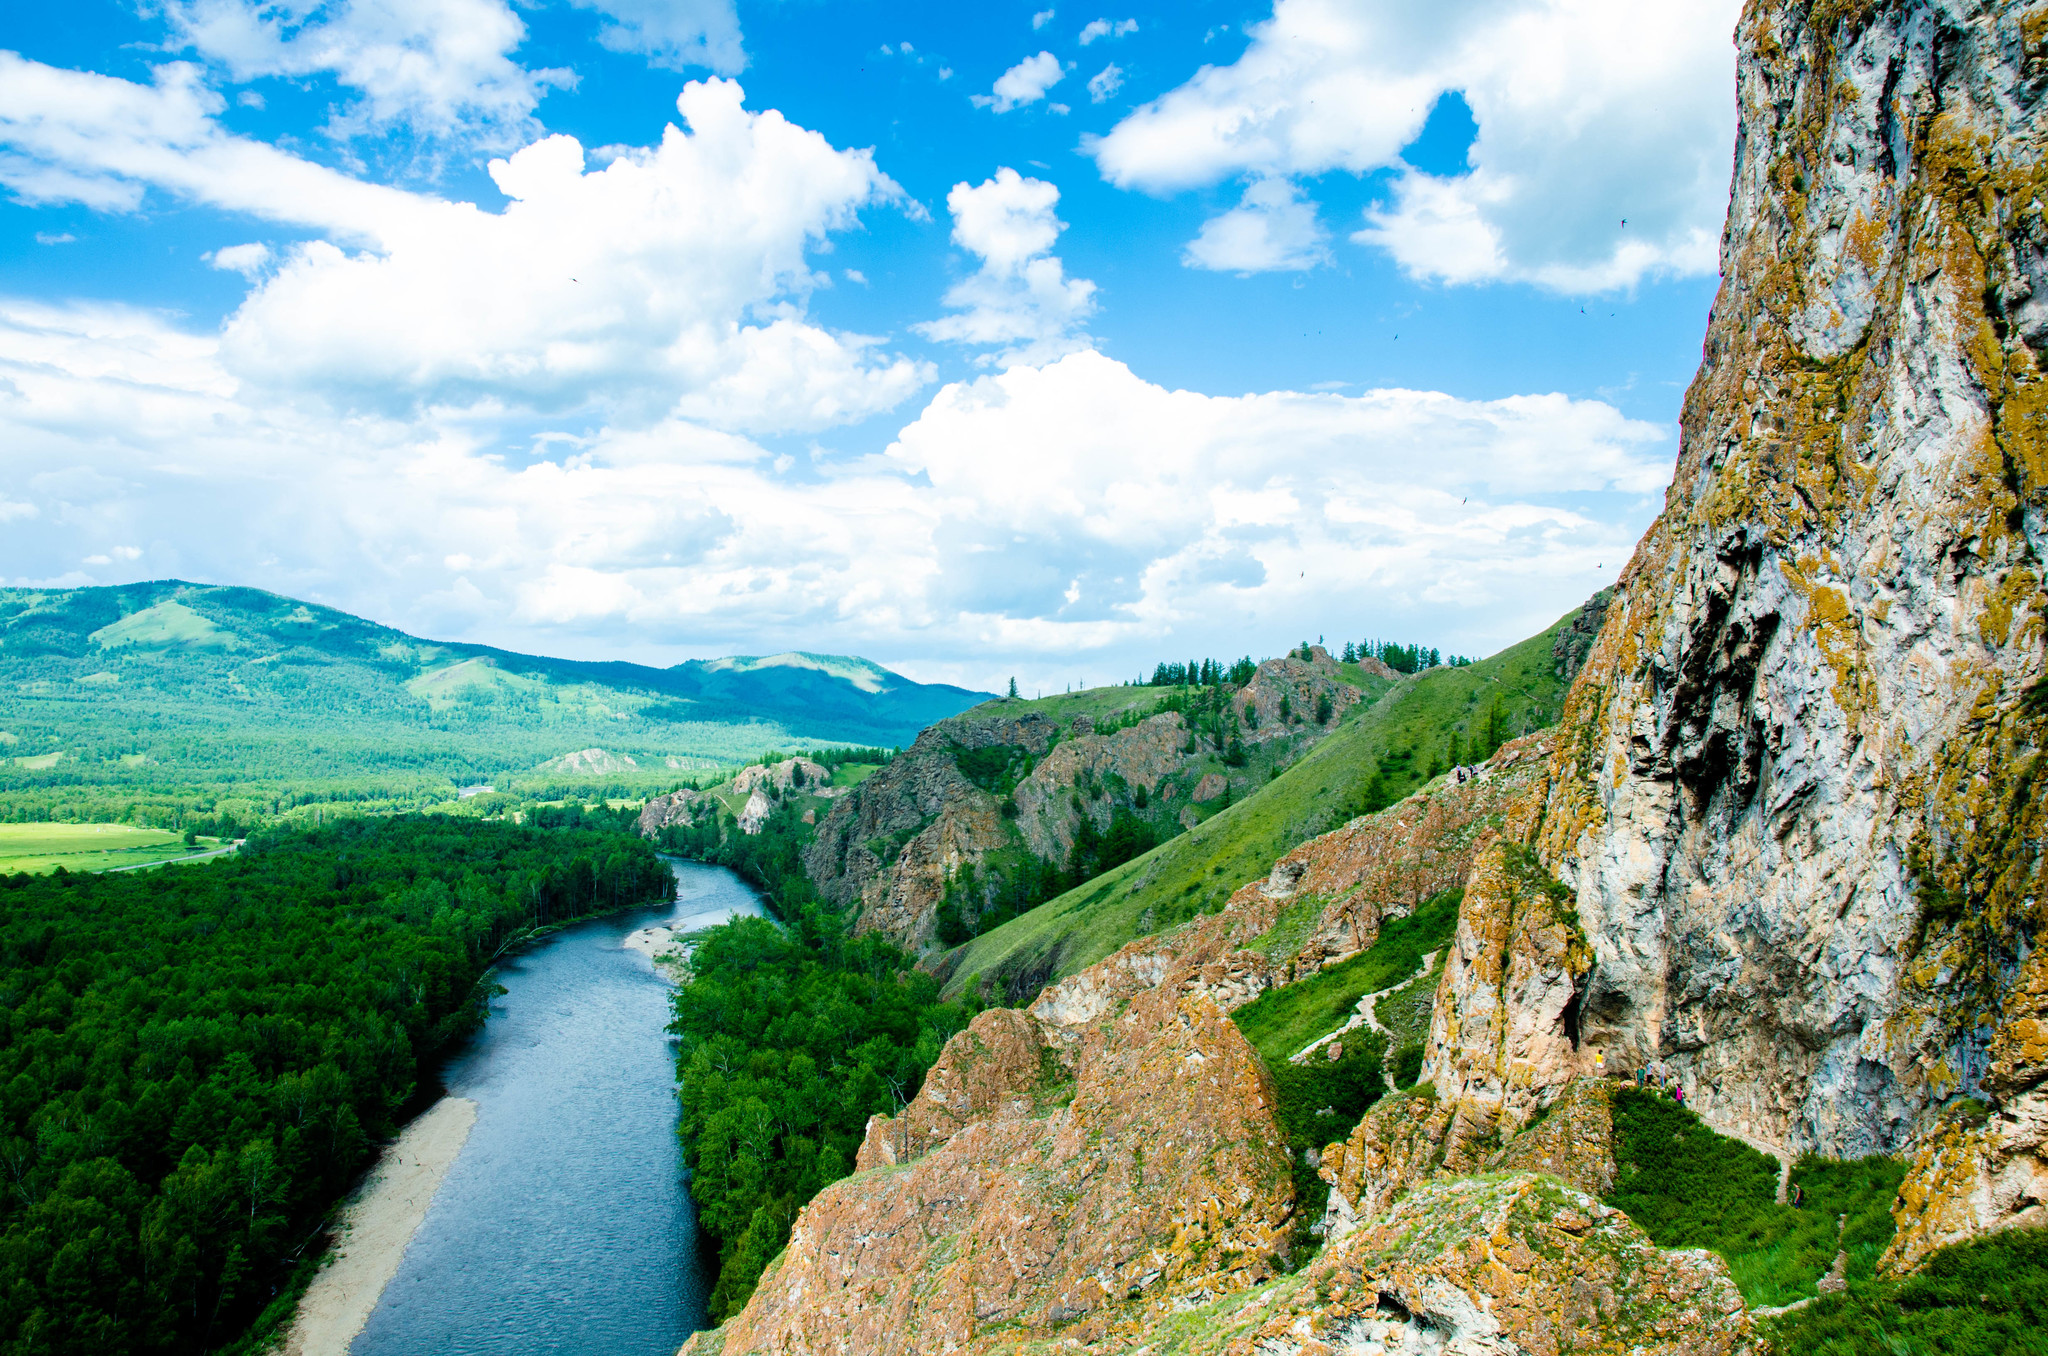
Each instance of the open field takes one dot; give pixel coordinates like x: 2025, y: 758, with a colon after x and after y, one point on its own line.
x: 36, y: 848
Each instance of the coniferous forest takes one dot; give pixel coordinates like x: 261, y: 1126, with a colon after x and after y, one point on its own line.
x: 195, y: 1063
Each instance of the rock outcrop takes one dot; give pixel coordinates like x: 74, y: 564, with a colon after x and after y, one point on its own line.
x: 1285, y: 694
x: 978, y: 799
x: 783, y: 776
x: 1794, y: 791
x: 1039, y: 1183
x: 677, y: 808
x: 1489, y: 1267
x: 1418, y: 1137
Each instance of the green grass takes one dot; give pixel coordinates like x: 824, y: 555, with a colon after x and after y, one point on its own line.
x: 1405, y: 1013
x: 1197, y: 871
x: 36, y: 848
x: 1283, y: 1020
x: 1096, y: 703
x: 1320, y: 1099
x: 853, y: 774
x: 1689, y: 1187
x: 1985, y: 1298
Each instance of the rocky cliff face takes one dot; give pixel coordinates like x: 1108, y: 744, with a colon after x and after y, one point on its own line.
x: 992, y: 792
x: 1795, y: 793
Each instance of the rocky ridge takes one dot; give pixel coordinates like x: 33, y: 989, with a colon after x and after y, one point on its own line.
x: 890, y: 851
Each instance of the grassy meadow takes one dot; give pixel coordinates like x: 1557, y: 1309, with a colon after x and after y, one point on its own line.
x: 36, y: 848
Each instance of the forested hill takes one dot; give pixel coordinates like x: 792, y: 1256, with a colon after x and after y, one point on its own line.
x: 206, y: 681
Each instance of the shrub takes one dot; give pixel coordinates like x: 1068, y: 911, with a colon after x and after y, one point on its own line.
x: 1984, y: 1298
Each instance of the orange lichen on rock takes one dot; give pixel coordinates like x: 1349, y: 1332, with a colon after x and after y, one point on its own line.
x: 1165, y: 1172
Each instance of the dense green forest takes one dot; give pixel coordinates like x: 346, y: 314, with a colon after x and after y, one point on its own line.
x: 791, y: 1037
x: 196, y: 1061
x: 165, y: 702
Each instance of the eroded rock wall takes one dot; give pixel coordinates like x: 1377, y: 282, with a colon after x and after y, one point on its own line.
x: 1795, y: 789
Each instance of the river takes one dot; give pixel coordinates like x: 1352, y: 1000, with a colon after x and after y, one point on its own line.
x: 563, y: 1226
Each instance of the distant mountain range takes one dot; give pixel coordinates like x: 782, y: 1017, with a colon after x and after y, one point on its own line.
x: 219, y: 679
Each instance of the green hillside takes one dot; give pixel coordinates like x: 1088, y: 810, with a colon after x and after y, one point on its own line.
x: 150, y: 700
x: 1380, y: 753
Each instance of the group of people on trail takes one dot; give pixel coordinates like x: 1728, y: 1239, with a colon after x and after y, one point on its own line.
x: 1655, y: 1074
x: 1658, y: 1074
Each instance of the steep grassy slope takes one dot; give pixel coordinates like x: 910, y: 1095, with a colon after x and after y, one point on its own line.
x: 170, y: 687
x: 1396, y: 741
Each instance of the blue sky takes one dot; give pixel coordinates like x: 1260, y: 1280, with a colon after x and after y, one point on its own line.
x: 979, y: 340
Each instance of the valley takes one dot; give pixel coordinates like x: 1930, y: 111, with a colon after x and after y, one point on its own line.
x: 1667, y: 983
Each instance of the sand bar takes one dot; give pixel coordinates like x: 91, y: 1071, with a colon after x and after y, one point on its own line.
x: 662, y: 945
x: 375, y: 1228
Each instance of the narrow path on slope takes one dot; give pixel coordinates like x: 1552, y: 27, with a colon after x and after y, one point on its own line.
x: 1785, y: 1156
x: 1363, y: 1015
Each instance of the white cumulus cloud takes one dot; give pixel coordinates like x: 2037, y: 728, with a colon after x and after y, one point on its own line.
x: 1021, y: 295
x: 675, y: 33
x: 1273, y: 228
x: 1024, y: 83
x: 669, y: 282
x: 1104, y: 28
x: 439, y: 67
x: 1106, y: 82
x: 247, y: 260
x: 1589, y: 112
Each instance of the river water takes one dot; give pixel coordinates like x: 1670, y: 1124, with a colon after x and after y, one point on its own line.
x: 563, y: 1226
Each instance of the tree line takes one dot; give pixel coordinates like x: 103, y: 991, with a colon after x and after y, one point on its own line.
x: 195, y: 1062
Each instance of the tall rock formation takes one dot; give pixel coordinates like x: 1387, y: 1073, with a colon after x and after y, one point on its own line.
x: 1798, y: 789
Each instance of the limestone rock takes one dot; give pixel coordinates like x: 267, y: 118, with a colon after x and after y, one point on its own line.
x: 1166, y: 1171
x: 784, y: 776
x: 1301, y: 682
x: 756, y: 811
x: 679, y: 808
x: 1500, y: 1037
x: 1573, y: 1142
x: 999, y: 1069
x: 1493, y: 1267
x: 893, y: 846
x: 1794, y: 789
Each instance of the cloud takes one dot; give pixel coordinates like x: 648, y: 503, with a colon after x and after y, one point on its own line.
x: 1103, y: 28
x: 442, y: 68
x: 74, y: 136
x: 55, y: 238
x: 1072, y: 509
x: 665, y: 282
x: 1589, y: 112
x: 1024, y: 83
x: 1021, y: 295
x: 1041, y: 19
x: 247, y: 260
x: 675, y: 33
x: 670, y: 282
x: 1273, y: 228
x: 1105, y: 82
x: 1159, y: 509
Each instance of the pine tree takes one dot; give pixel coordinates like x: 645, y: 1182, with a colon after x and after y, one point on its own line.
x: 1013, y: 689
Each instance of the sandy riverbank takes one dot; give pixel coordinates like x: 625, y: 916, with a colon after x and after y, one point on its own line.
x: 662, y: 945
x: 375, y: 1229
